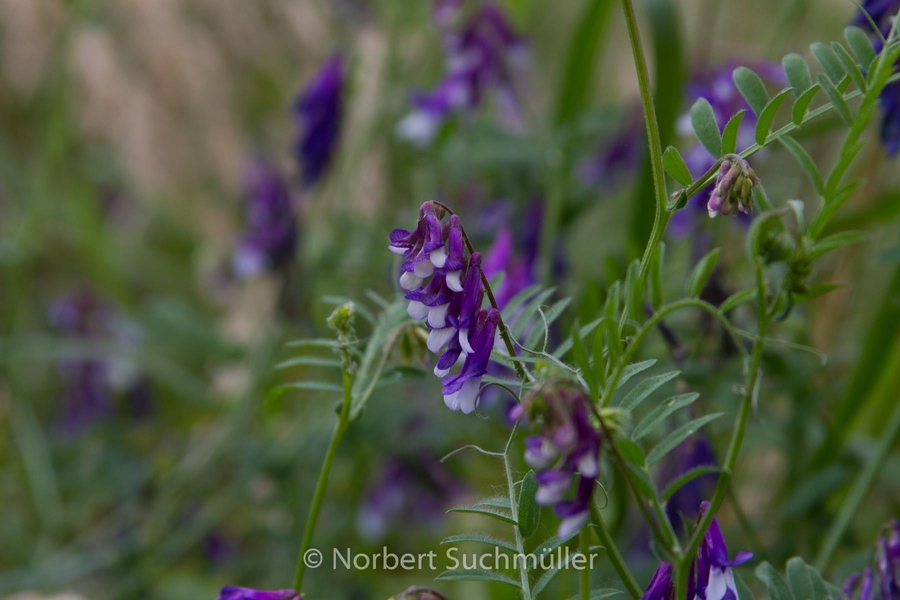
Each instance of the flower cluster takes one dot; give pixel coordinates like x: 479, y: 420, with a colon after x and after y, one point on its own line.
x: 483, y: 56
x: 710, y: 578
x: 882, y: 583
x: 882, y: 13
x: 569, y: 445
x: 240, y: 593
x: 318, y: 113
x: 270, y: 237
x: 733, y: 191
x: 445, y: 288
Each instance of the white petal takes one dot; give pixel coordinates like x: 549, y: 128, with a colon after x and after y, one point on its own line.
x: 408, y: 281
x: 423, y: 269
x: 437, y: 316
x: 464, y: 341
x: 587, y: 465
x: 397, y: 249
x: 453, y: 281
x: 574, y: 523
x: 438, y: 338
x: 467, y: 397
x: 418, y: 127
x: 440, y: 374
x: 551, y: 494
x: 439, y: 257
x: 720, y: 581
x: 452, y: 401
x: 417, y: 310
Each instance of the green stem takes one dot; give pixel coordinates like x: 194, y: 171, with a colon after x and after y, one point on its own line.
x: 864, y: 482
x: 734, y: 447
x: 514, y: 513
x: 653, y: 137
x: 615, y: 557
x: 585, y: 574
x: 322, y: 484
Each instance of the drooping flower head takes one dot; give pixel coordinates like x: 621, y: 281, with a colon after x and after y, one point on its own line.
x: 270, y: 234
x: 717, y: 87
x: 318, y: 112
x: 241, y: 593
x: 733, y: 191
x: 483, y: 57
x: 446, y: 289
x: 661, y: 586
x: 568, y: 445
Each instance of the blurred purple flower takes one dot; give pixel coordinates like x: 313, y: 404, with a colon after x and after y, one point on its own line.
x: 270, y: 236
x: 484, y: 56
x: 568, y: 445
x: 503, y: 257
x: 882, y: 13
x: 240, y: 593
x: 882, y: 582
x: 92, y: 383
x: 619, y: 156
x: 318, y: 111
x: 407, y: 492
x: 694, y: 452
x: 717, y: 86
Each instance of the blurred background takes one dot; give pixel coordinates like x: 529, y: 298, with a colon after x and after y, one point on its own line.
x: 187, y: 185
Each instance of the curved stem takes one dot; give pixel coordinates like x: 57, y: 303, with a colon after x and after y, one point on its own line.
x: 322, y: 484
x: 653, y: 137
x: 514, y: 513
x: 615, y: 557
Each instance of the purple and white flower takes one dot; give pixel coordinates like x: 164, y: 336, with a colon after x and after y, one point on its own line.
x: 568, y: 445
x: 484, y: 56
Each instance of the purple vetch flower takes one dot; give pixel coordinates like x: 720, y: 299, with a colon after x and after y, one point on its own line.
x: 715, y: 581
x: 880, y: 11
x: 568, y: 445
x: 661, y: 586
x: 882, y: 582
x: 445, y: 288
x: 484, y: 56
x: 461, y: 390
x: 270, y: 235
x: 241, y: 593
x: 318, y: 112
x: 407, y: 490
x: 710, y: 576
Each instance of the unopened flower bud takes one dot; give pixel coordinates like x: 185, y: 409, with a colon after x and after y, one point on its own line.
x: 733, y: 191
